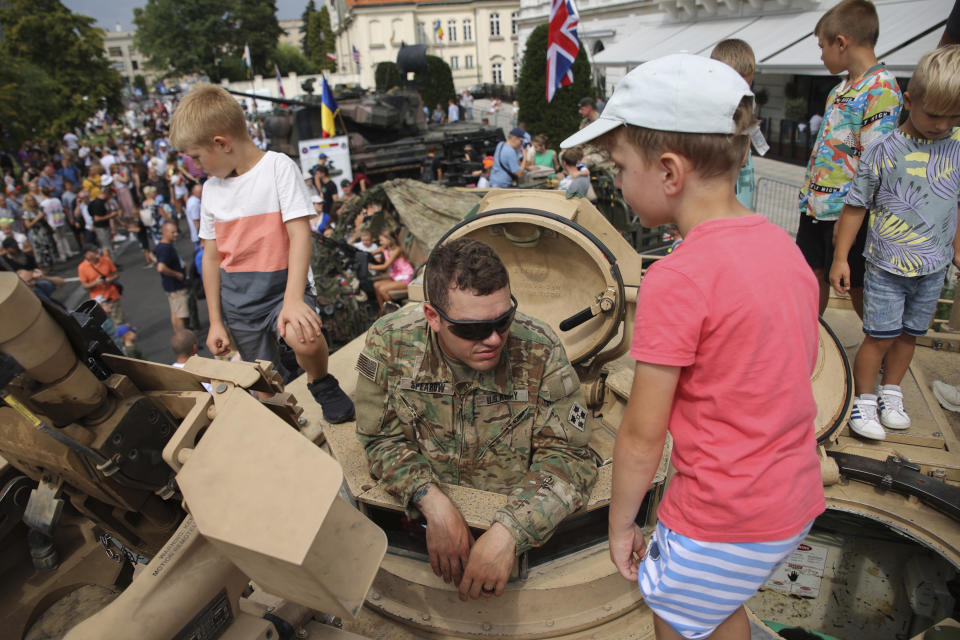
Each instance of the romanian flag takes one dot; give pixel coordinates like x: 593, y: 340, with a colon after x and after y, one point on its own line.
x: 328, y: 109
x: 438, y: 30
x: 246, y: 56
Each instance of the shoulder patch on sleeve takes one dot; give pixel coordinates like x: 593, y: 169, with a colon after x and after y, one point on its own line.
x: 577, y: 416
x: 368, y: 367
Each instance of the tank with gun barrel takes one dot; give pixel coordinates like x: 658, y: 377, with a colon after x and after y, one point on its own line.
x: 387, y: 131
x: 282, y: 530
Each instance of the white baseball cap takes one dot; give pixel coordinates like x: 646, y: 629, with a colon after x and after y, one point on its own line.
x: 106, y: 181
x: 682, y: 92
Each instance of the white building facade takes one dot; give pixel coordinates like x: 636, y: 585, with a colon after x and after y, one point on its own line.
x: 124, y: 57
x: 479, y: 39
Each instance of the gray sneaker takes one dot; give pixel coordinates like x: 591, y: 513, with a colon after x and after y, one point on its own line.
x: 947, y: 395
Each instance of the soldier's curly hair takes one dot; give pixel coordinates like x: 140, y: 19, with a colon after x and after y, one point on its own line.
x: 465, y: 264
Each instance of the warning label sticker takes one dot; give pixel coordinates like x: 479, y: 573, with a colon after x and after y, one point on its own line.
x: 801, y: 573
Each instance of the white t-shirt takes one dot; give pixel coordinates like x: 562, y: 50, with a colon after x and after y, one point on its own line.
x: 483, y: 182
x: 20, y: 238
x: 54, y: 210
x: 71, y: 140
x: 245, y: 214
x: 369, y: 248
x: 107, y: 160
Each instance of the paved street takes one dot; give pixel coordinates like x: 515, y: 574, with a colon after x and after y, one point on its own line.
x: 144, y: 302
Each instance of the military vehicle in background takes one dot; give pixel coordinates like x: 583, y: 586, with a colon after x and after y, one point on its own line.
x: 388, y: 131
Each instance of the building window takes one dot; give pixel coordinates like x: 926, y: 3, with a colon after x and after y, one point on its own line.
x: 135, y: 65
x: 516, y: 71
x: 514, y: 25
x: 496, y: 70
x: 119, y: 66
x: 468, y: 62
x: 115, y: 52
x: 452, y: 30
x: 376, y: 36
x: 468, y: 30
x: 454, y: 62
x: 421, y: 33
x: 494, y: 25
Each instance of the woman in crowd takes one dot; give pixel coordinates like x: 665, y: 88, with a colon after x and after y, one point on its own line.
x: 38, y: 231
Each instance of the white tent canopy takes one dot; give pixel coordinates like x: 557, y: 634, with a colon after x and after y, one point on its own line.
x: 784, y: 43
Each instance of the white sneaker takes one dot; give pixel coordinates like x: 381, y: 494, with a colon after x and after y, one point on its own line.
x: 119, y: 238
x: 892, y: 413
x: 863, y: 418
x: 947, y: 395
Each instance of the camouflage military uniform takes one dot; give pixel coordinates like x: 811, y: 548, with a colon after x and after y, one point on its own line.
x: 520, y: 429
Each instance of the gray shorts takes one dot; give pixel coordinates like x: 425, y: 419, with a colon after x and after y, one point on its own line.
x: 263, y: 344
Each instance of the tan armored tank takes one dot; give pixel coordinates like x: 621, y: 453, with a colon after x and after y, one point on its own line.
x: 263, y: 501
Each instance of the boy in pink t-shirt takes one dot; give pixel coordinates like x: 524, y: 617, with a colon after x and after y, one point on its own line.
x: 725, y: 341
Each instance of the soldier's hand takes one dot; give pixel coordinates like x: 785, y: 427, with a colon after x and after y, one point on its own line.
x: 491, y: 560
x: 627, y: 546
x: 448, y: 536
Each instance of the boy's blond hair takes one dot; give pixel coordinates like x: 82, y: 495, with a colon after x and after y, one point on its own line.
x: 205, y: 112
x: 935, y: 84
x: 711, y: 154
x: 856, y: 19
x: 737, y: 54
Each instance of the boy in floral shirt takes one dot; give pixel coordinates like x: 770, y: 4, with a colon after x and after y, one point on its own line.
x: 862, y: 108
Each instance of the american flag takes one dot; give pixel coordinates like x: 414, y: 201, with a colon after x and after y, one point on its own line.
x: 356, y: 54
x: 562, y: 45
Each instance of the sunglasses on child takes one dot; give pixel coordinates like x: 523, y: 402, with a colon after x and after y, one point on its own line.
x: 479, y: 329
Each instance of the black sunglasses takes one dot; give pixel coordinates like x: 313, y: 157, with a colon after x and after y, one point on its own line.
x: 479, y: 329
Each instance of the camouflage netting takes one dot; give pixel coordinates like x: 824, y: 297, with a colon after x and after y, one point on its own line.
x: 425, y: 211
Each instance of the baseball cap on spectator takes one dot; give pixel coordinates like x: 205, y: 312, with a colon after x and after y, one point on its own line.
x: 518, y: 132
x: 105, y: 181
x: 587, y: 102
x: 91, y: 248
x: 322, y: 156
x: 124, y: 329
x: 316, y: 199
x: 683, y: 93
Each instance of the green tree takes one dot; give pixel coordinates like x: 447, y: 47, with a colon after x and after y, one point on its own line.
x: 320, y: 40
x: 559, y: 118
x: 289, y: 58
x: 387, y: 76
x: 436, y: 83
x: 54, y: 74
x: 183, y: 37
x: 139, y: 82
x: 305, y: 27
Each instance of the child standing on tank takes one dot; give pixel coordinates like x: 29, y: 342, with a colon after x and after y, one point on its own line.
x: 254, y: 224
x: 909, y: 180
x: 719, y: 336
x: 862, y: 108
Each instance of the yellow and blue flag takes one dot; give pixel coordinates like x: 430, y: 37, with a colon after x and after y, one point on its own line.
x: 328, y: 109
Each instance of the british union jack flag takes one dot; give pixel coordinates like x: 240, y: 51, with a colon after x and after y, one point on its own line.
x: 562, y: 45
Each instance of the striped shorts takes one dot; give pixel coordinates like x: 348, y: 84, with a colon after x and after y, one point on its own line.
x: 694, y: 586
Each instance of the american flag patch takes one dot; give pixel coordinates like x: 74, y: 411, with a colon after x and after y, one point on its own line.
x: 368, y: 367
